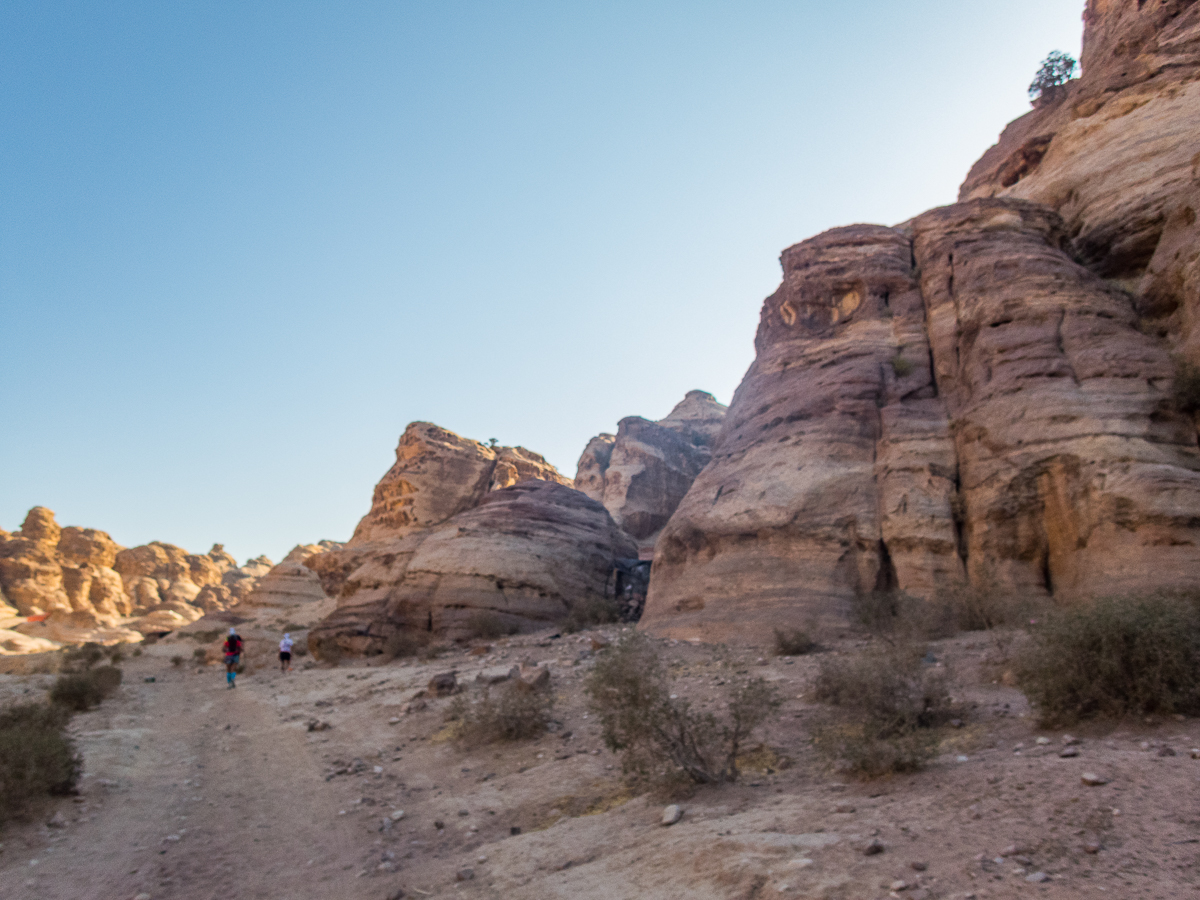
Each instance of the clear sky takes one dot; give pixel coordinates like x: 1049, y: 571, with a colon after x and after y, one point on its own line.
x: 243, y: 244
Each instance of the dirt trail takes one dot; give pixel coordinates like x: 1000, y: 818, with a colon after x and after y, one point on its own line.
x: 191, y: 791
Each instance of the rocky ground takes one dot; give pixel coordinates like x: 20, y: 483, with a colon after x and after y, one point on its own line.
x: 292, y: 786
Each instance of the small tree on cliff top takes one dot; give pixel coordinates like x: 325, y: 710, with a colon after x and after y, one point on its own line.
x: 1056, y: 70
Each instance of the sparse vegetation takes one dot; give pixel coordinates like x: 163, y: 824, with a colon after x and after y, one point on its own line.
x: 82, y: 658
x: 898, y: 617
x: 510, y: 713
x: 80, y: 691
x: 1055, y: 71
x: 489, y: 625
x: 36, y: 757
x: 406, y: 643
x: 793, y: 642
x: 1115, y: 657
x: 901, y: 366
x: 589, y: 613
x: 661, y: 736
x: 200, y: 655
x: 177, y: 661
x: 888, y: 702
x: 1187, y: 387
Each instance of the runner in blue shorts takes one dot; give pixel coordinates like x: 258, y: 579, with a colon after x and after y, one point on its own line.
x: 233, y: 654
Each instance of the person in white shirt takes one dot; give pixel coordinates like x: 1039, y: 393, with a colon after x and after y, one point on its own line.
x: 285, y: 653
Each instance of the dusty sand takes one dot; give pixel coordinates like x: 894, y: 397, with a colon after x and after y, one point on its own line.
x: 195, y: 791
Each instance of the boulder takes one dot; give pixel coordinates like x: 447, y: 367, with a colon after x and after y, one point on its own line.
x: 642, y: 472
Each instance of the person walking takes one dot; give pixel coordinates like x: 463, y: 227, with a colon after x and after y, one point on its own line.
x: 233, y: 655
x: 285, y: 652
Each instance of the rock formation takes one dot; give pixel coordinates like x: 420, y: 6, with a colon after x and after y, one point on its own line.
x: 958, y: 400
x: 449, y: 540
x: 1115, y: 153
x: 438, y: 474
x: 292, y: 582
x: 81, y: 585
x: 641, y: 473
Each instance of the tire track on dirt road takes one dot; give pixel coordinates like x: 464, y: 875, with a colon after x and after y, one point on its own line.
x: 191, y: 792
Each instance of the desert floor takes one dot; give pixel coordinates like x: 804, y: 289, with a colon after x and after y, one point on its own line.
x: 195, y: 791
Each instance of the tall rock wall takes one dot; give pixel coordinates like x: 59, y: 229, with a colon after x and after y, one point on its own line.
x: 956, y: 402
x: 985, y: 396
x: 1116, y: 154
x: 641, y: 473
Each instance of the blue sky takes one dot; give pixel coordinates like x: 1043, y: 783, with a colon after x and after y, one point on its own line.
x: 243, y: 244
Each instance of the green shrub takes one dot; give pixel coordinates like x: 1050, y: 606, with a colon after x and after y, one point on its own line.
x: 36, y: 756
x: 657, y: 735
x: 793, y: 642
x: 1115, y: 657
x: 489, y: 625
x: 511, y: 713
x: 1055, y: 71
x: 591, y: 612
x: 200, y: 654
x: 887, y: 704
x: 901, y: 366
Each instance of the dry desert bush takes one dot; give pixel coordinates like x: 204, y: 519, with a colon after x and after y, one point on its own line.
x: 1114, y: 657
x: 589, y: 613
x: 403, y: 644
x: 886, y: 705
x: 662, y: 736
x: 794, y: 642
x: 512, y: 712
x: 36, y: 757
x: 489, y: 625
x: 80, y: 691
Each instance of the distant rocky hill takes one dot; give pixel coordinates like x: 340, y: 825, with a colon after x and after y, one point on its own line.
x: 642, y: 472
x: 986, y: 395
x: 78, y: 584
x: 457, y: 531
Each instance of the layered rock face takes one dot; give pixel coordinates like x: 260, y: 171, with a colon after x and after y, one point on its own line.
x: 1116, y: 154
x: 641, y: 473
x: 448, y: 540
x: 984, y: 396
x: 438, y: 474
x: 991, y: 416
x: 292, y: 582
x: 80, y: 579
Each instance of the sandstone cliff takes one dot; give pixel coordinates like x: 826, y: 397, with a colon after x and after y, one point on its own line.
x: 975, y: 397
x: 292, y: 582
x: 449, y: 539
x: 437, y: 474
x: 1115, y: 152
x: 641, y: 473
x: 81, y: 585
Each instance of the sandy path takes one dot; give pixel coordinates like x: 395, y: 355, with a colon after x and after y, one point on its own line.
x: 191, y: 791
